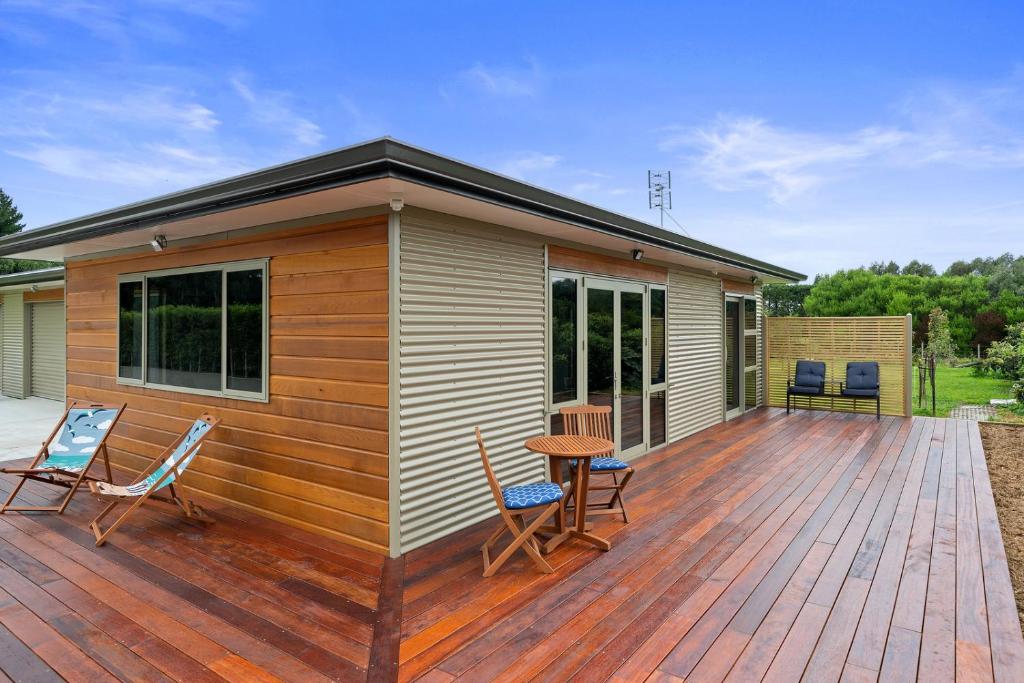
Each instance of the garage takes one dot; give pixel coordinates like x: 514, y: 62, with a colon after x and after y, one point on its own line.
x: 32, y: 334
x: 47, y: 354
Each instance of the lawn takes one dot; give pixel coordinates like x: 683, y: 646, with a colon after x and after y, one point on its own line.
x: 959, y: 386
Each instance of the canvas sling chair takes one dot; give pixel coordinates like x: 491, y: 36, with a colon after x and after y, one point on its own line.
x: 514, y: 503
x: 597, y: 421
x: 164, y: 472
x: 68, y: 453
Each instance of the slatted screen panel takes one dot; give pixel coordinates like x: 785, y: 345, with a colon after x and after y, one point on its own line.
x: 837, y: 341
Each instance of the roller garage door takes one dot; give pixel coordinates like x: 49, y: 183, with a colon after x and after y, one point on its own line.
x: 48, y: 350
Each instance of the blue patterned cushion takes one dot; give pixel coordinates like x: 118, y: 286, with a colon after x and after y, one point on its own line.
x: 531, y: 495
x: 604, y: 464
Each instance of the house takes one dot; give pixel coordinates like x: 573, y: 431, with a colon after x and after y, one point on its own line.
x: 32, y: 334
x: 352, y: 316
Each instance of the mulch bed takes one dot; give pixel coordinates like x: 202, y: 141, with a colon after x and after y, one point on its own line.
x: 1004, y: 451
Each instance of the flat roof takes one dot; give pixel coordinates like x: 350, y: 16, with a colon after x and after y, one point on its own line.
x: 384, y: 158
x: 32, y: 277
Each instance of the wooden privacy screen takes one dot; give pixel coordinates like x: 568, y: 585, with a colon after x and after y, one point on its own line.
x: 837, y: 341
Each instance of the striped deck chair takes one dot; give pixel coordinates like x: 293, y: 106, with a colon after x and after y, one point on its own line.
x: 68, y: 453
x: 165, y: 472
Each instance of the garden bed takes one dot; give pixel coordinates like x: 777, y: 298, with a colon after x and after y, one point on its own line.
x: 1004, y: 451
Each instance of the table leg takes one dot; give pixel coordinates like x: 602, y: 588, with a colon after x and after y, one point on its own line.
x: 582, y: 485
x: 559, y: 532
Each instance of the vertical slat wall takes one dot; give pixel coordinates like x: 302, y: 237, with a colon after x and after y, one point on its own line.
x: 837, y: 341
x: 472, y: 353
x: 14, y: 345
x: 695, y: 371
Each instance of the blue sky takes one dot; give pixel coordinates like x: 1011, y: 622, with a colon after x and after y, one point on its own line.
x: 813, y: 135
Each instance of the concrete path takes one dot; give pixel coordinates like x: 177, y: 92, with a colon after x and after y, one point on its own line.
x: 24, y: 424
x: 976, y: 413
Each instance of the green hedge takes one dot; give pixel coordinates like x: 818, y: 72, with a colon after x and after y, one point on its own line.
x: 192, y: 336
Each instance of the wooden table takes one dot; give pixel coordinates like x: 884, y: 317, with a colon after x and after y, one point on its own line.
x: 580, y: 448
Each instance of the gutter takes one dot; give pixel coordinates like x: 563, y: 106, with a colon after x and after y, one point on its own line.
x: 32, y: 277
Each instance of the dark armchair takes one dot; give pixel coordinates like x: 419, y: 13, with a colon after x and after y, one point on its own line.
x: 808, y: 381
x: 862, y: 382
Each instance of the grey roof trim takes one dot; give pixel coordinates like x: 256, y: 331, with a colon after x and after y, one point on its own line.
x: 382, y: 158
x: 32, y: 277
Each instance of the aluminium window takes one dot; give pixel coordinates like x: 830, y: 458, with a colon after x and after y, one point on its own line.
x: 199, y: 330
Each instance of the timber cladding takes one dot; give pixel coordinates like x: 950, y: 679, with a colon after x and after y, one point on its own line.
x: 316, y: 455
x: 837, y: 341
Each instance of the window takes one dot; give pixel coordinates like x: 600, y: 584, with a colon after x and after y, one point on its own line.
x: 130, y: 330
x: 657, y: 336
x: 200, y: 330
x: 564, y: 299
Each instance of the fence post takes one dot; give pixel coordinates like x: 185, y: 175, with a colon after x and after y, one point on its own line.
x: 908, y: 360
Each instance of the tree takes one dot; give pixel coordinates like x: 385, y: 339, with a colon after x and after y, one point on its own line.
x: 915, y: 267
x: 785, y: 300
x: 880, y: 268
x: 989, y: 327
x: 11, y: 220
x: 940, y: 341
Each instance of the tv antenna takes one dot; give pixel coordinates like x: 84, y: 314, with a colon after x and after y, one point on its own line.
x: 659, y: 196
x: 659, y: 192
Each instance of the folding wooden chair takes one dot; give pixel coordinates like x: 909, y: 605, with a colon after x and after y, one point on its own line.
x: 164, y: 472
x: 514, y: 502
x: 597, y: 421
x: 67, y: 454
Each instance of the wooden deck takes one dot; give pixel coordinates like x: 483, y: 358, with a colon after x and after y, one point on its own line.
x: 816, y: 546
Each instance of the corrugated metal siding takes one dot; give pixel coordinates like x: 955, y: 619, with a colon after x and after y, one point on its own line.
x: 14, y: 345
x: 472, y: 307
x: 48, y: 350
x: 695, y: 372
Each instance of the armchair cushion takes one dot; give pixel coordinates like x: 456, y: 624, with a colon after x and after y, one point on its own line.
x: 805, y: 391
x: 810, y: 374
x: 861, y: 393
x: 862, y: 376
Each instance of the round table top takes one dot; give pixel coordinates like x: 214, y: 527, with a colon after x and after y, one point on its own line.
x: 566, y: 446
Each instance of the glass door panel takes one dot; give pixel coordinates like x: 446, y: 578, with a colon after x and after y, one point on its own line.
x: 631, y: 368
x: 733, y: 360
x: 600, y: 348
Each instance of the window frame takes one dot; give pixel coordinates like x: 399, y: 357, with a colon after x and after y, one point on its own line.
x: 261, y: 265
x: 580, y: 359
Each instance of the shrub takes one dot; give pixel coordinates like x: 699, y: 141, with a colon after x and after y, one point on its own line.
x: 1006, y: 357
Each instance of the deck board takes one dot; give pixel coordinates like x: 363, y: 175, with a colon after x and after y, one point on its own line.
x: 816, y: 546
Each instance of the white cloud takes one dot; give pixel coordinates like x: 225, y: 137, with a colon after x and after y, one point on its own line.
x: 119, y: 23
x: 272, y: 109
x: 974, y: 128
x: 505, y: 81
x: 748, y: 153
x: 527, y: 163
x: 152, y: 166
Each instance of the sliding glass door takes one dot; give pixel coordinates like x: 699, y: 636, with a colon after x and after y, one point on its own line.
x: 741, y: 357
x: 733, y: 360
x: 614, y: 350
x: 601, y: 354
